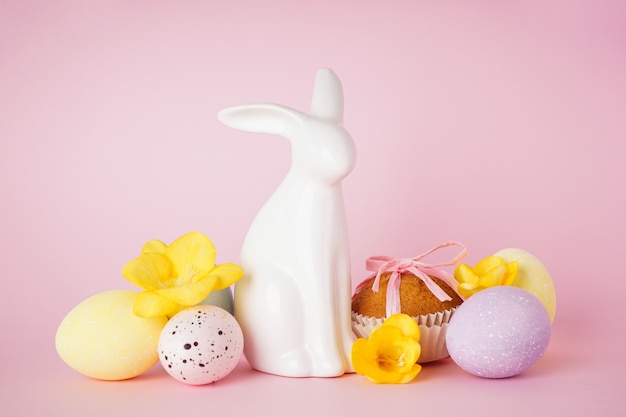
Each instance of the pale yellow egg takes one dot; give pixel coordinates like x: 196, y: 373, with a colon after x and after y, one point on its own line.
x: 103, y: 339
x: 532, y: 277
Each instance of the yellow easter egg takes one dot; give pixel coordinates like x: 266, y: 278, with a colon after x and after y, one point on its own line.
x: 532, y: 277
x: 103, y: 339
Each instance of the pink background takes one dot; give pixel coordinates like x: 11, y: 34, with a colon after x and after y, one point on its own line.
x: 493, y: 123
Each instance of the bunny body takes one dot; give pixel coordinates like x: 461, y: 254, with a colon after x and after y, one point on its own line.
x: 293, y: 303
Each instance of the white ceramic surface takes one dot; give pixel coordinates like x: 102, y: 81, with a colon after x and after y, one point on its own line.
x: 293, y: 303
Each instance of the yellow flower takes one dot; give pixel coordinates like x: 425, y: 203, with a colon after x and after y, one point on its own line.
x: 489, y: 272
x: 177, y: 276
x: 390, y: 354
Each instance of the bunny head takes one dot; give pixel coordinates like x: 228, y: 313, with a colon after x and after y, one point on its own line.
x: 321, y: 148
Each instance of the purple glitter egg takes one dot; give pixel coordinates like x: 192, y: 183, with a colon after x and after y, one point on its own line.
x: 498, y: 332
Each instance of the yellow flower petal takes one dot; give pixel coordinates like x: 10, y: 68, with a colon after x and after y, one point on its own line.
x: 193, y: 256
x: 464, y: 274
x: 379, y: 375
x: 409, y: 376
x: 382, y: 333
x: 150, y: 304
x: 367, y: 362
x: 511, y: 273
x: 397, y: 355
x: 396, y: 359
x: 189, y: 294
x: 492, y: 277
x: 362, y: 356
x: 388, y: 356
x: 487, y: 264
x: 467, y: 290
x: 177, y: 276
x: 226, y: 274
x: 154, y: 246
x: 407, y: 325
x: 488, y: 272
x: 148, y: 270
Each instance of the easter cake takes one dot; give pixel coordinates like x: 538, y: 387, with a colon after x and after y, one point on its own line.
x: 415, y: 297
x: 417, y: 301
x: 409, y: 286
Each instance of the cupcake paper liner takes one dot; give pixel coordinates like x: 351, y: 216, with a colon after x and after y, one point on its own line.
x: 432, y: 332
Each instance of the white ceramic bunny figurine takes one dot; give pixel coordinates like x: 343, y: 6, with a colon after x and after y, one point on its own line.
x: 293, y: 303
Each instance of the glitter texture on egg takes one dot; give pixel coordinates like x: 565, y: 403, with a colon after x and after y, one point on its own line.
x: 200, y: 345
x: 499, y: 332
x: 103, y: 339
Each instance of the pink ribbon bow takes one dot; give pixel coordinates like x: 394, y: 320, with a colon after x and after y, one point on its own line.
x: 422, y: 270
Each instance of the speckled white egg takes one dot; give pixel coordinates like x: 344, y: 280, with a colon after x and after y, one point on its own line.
x: 200, y: 345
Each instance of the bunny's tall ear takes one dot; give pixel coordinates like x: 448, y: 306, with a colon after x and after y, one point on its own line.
x: 261, y: 118
x: 327, y: 101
